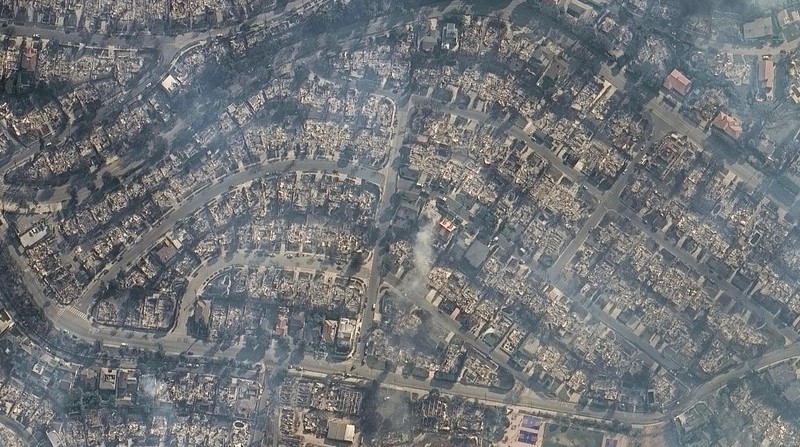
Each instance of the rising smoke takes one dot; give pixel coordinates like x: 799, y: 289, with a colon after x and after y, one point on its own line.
x: 704, y: 8
x: 422, y: 252
x: 423, y: 248
x: 151, y: 387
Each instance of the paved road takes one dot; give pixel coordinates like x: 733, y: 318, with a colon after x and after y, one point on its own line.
x: 671, y: 121
x: 525, y: 402
x: 174, y: 43
x: 609, y: 198
x: 554, y: 274
x: 710, y: 387
x: 211, y: 268
x: 667, y: 118
x: 517, y: 132
x: 19, y: 430
x: 75, y: 322
x: 71, y: 320
x: 418, y: 297
x: 59, y: 195
x: 765, y: 50
x: 176, y: 343
x: 170, y: 48
x: 582, y: 303
x: 202, y: 197
x: 695, y: 265
x: 388, y: 190
x: 666, y: 121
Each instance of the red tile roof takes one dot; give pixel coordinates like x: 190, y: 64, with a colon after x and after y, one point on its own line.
x: 728, y: 124
x: 678, y: 83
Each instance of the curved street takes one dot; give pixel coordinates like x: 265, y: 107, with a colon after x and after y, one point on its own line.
x: 19, y: 430
x: 74, y: 320
x: 177, y: 342
x: 170, y: 49
x: 203, y: 196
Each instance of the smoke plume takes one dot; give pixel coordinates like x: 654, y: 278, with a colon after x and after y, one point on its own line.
x: 422, y: 250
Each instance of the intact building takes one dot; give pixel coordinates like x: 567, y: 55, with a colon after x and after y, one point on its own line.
x: 677, y: 82
x: 108, y: 379
x: 450, y: 37
x: 344, y: 336
x: 766, y: 77
x: 446, y: 227
x: 729, y: 125
x: 170, y: 84
x: 33, y: 235
x: 758, y: 29
x: 340, y: 430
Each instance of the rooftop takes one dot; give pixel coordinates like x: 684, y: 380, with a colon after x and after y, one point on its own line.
x: 766, y: 74
x: 340, y: 430
x: 678, y: 83
x: 32, y: 236
x: 728, y: 124
x: 758, y: 28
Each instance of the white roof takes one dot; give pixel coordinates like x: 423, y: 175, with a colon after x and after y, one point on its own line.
x: 170, y: 83
x: 341, y: 431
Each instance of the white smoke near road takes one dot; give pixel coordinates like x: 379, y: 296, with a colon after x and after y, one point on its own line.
x: 422, y: 252
x: 423, y: 248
